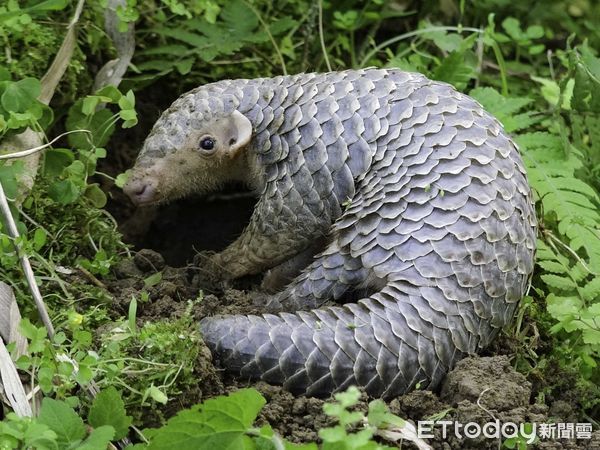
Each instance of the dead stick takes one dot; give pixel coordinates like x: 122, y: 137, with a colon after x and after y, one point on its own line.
x: 33, y: 287
x: 61, y: 61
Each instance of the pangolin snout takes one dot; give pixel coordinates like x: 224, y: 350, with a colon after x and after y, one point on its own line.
x: 140, y: 191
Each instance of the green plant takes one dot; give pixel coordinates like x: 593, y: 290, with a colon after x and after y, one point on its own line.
x: 227, y: 422
x: 59, y: 427
x: 201, y: 39
x: 341, y: 437
x: 164, y: 351
x: 19, y: 107
x: 224, y: 422
x: 27, y: 42
x: 519, y: 442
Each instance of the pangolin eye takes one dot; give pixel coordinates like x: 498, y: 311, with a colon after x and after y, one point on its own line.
x: 207, y: 143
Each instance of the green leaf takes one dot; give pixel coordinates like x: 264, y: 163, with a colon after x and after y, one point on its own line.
x: 593, y: 311
x: 20, y: 120
x: 110, y: 92
x: 129, y: 116
x: 164, y: 50
x: 558, y: 282
x: 88, y: 107
x: 448, y: 42
x: 9, y: 176
x: 20, y: 95
x: 563, y: 308
x: 84, y: 375
x: 127, y: 101
x: 591, y: 336
x: 454, y: 70
x: 193, y: 39
x: 239, y: 16
x: 56, y: 160
x: 219, y: 423
x: 550, y: 90
x: 98, y: 439
x: 586, y: 91
x: 333, y: 434
x: 553, y: 266
x: 100, y: 125
x: 48, y: 5
x: 63, y: 192
x: 591, y: 290
x: 536, y: 49
x: 39, y: 239
x: 122, y: 178
x: 108, y: 409
x: 238, y: 26
x: 25, y: 19
x: 76, y: 172
x: 567, y: 201
x: 38, y: 436
x: 379, y: 415
x: 63, y: 420
x: 184, y: 66
x: 282, y: 25
x: 4, y: 74
x: 348, y: 398
x: 157, y: 395
x: 47, y: 116
x: 513, y: 27
x: 132, y: 313
x: 100, y: 152
x: 31, y: 332
x: 95, y: 195
x: 153, y: 279
x: 535, y: 32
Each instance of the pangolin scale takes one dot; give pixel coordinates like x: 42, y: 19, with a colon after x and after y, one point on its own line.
x: 420, y: 197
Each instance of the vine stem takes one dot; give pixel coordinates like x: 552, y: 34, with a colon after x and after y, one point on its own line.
x: 271, y: 38
x: 321, y: 36
x: 31, y: 151
x: 410, y: 34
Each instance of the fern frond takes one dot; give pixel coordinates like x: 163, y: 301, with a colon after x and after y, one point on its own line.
x: 505, y: 108
x: 568, y: 203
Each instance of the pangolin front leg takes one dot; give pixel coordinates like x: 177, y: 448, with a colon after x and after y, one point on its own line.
x: 279, y: 276
x: 268, y: 242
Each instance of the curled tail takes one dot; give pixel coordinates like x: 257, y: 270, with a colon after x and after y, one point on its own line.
x: 380, y: 343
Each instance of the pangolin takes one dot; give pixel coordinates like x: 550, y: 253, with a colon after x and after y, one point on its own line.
x: 418, y: 197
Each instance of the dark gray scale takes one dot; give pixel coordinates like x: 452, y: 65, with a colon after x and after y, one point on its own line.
x: 428, y: 214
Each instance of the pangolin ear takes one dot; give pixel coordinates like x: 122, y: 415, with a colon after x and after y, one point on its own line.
x: 239, y: 133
